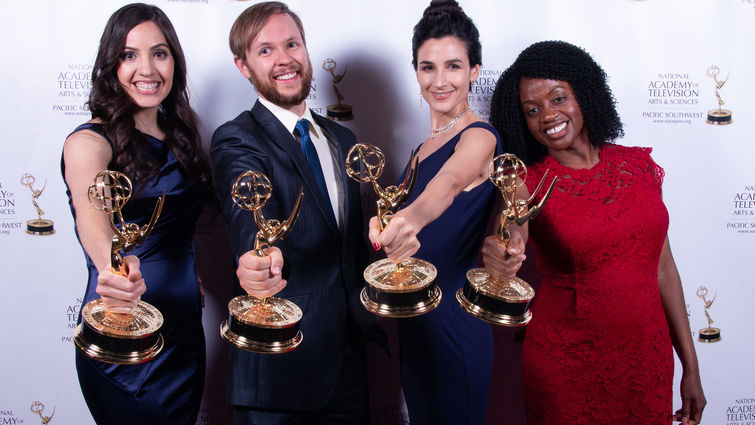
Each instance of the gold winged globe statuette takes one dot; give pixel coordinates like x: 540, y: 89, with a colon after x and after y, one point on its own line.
x: 396, y: 290
x: 483, y: 296
x: 119, y: 338
x: 269, y: 325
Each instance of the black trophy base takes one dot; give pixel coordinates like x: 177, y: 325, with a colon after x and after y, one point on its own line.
x: 340, y: 112
x: 719, y: 117
x: 400, y: 304
x: 109, y: 349
x: 260, y: 340
x: 510, y: 313
x: 709, y: 335
x: 40, y: 227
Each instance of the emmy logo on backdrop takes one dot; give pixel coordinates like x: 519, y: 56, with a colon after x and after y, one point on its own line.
x: 39, y: 408
x: 483, y: 296
x: 40, y: 226
x: 718, y: 116
x: 408, y: 288
x: 119, y: 338
x: 269, y: 325
x: 708, y: 334
x: 340, y: 111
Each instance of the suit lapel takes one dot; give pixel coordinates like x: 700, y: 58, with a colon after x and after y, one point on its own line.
x: 346, y: 181
x: 280, y: 136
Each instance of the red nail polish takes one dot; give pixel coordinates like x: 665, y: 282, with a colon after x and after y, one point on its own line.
x: 376, y: 246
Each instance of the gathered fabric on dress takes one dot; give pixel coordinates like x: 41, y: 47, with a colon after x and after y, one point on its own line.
x: 598, y: 348
x: 447, y: 354
x: 167, y: 389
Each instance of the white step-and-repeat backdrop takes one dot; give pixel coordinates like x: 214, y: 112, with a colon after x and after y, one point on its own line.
x: 656, y: 53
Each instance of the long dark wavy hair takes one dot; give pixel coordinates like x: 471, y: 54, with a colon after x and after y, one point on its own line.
x: 561, y: 61
x: 446, y: 18
x: 109, y: 102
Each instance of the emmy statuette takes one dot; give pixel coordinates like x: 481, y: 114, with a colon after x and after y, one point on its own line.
x: 38, y: 226
x: 39, y: 408
x: 408, y: 288
x: 119, y: 338
x: 270, y: 325
x: 718, y: 116
x: 483, y: 296
x: 708, y: 334
x: 340, y: 111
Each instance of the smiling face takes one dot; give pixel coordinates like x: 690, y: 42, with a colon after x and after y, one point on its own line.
x: 278, y: 65
x: 146, y: 66
x: 444, y: 74
x: 553, y: 115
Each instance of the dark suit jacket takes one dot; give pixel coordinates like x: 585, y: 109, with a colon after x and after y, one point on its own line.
x: 323, y: 266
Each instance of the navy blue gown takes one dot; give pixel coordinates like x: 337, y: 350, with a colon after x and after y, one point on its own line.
x: 447, y: 354
x: 167, y: 389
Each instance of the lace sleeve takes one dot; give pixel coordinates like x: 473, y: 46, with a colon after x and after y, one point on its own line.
x: 653, y: 170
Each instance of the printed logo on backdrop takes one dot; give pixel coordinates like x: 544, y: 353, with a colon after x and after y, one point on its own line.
x: 71, y: 317
x: 741, y: 412
x: 72, y: 87
x: 750, y: 3
x: 339, y: 111
x: 39, y: 408
x: 312, y: 101
x: 8, y: 221
x: 742, y: 218
x: 482, y: 92
x: 673, y: 98
x: 689, y: 320
x: 709, y: 333
x: 8, y: 417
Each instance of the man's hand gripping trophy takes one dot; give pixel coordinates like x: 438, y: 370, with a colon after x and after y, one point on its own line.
x: 250, y: 192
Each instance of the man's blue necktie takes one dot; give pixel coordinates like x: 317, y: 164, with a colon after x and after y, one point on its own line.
x: 308, y: 149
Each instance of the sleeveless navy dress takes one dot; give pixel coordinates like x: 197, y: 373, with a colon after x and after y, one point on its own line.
x: 167, y: 389
x: 447, y: 354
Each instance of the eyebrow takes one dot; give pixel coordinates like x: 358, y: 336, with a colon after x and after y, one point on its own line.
x: 156, y: 46
x: 454, y: 60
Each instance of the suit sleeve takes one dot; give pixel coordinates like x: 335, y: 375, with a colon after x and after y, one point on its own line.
x: 234, y: 150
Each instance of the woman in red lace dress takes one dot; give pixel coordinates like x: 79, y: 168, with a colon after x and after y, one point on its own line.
x: 599, y: 347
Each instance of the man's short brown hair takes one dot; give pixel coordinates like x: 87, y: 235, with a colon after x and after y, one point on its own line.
x: 250, y: 23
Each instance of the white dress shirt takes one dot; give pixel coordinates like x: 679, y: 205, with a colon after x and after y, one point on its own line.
x: 326, y: 153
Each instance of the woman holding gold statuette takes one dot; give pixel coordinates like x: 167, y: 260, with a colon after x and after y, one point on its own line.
x: 446, y: 354
x: 610, y: 306
x: 142, y: 125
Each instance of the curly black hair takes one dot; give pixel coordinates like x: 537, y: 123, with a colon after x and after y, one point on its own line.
x: 561, y: 61
x: 444, y: 18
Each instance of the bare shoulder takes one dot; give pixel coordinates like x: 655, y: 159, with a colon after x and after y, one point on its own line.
x: 86, y: 145
x: 85, y: 149
x: 477, y: 138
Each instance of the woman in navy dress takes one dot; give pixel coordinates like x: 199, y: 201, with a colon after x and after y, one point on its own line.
x: 143, y: 126
x: 446, y: 355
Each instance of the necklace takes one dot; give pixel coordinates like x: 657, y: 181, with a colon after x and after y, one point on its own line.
x: 435, y: 132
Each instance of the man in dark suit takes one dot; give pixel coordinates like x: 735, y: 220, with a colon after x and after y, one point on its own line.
x: 318, y: 265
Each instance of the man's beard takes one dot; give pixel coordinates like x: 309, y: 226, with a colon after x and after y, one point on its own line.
x: 271, y: 93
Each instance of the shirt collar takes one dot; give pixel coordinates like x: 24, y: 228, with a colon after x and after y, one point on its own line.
x: 288, y: 118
